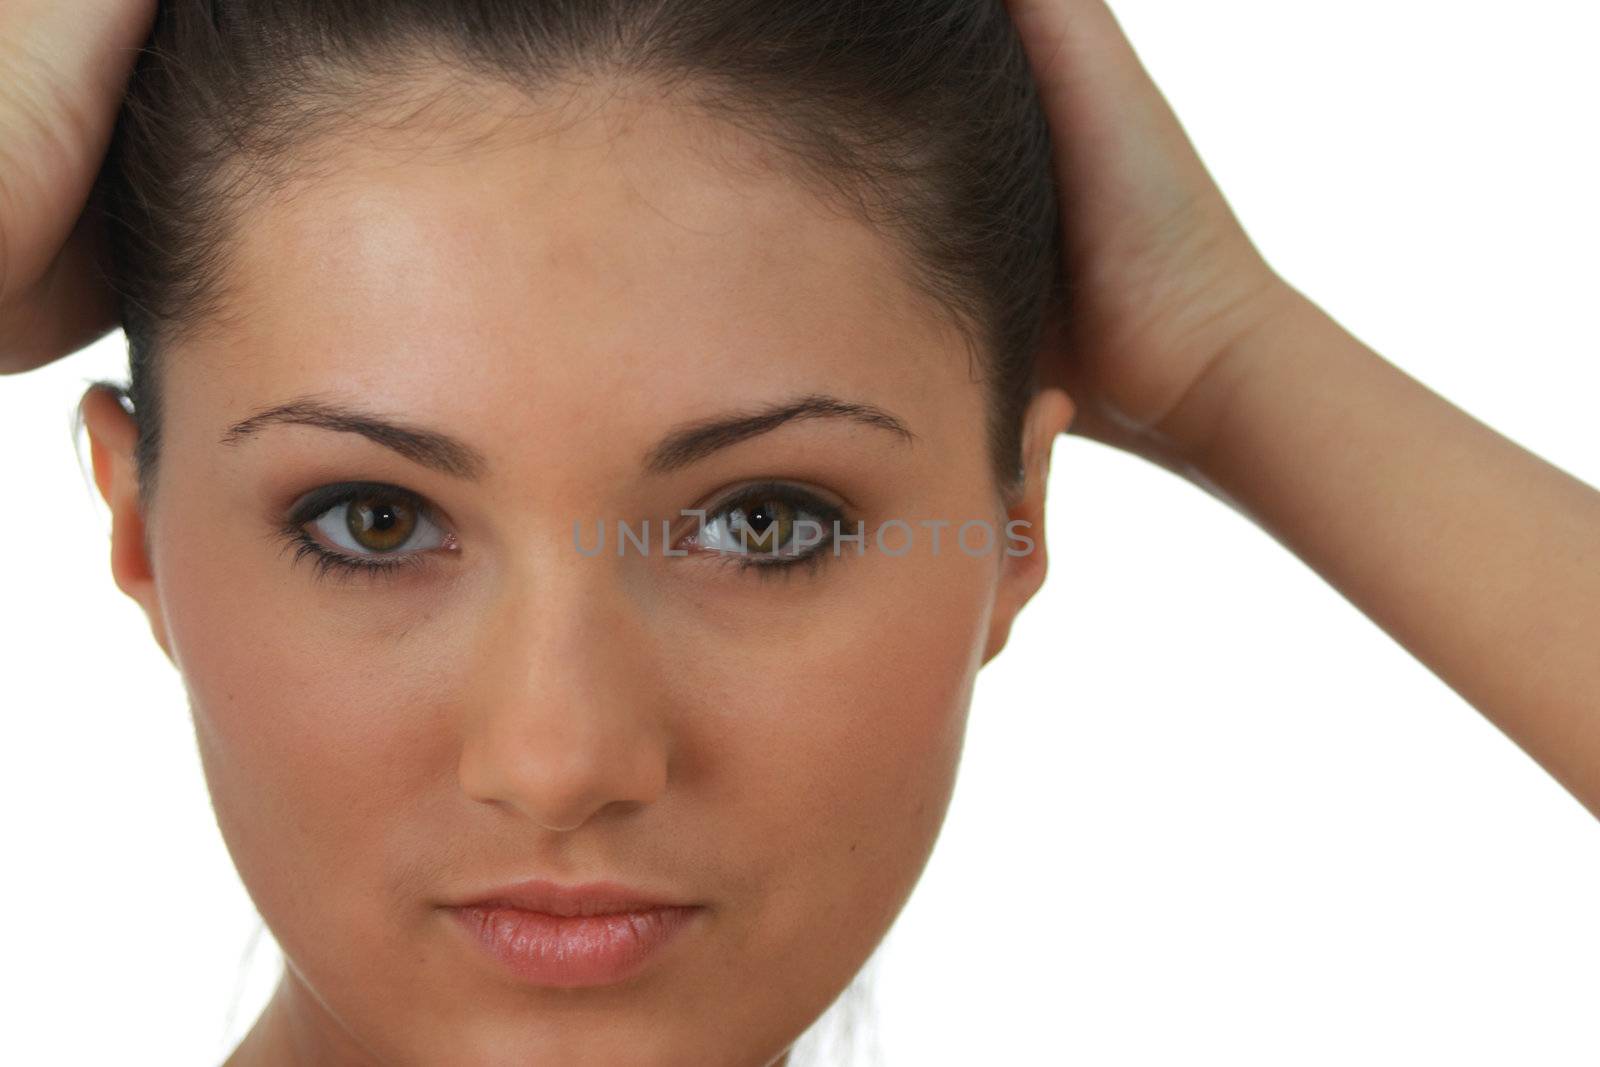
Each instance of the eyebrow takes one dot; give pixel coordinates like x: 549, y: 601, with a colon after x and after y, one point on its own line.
x: 448, y: 455
x: 697, y: 440
x: 430, y: 448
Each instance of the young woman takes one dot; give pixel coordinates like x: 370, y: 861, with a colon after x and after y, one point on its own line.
x: 424, y: 297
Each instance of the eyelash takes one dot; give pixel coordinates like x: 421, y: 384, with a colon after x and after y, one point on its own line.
x: 764, y: 564
x: 328, y: 562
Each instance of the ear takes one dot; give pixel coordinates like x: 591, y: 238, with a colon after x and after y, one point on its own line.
x: 112, y: 436
x: 1023, y: 559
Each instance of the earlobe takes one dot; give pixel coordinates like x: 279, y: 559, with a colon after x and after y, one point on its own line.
x: 113, y: 436
x: 1024, y: 558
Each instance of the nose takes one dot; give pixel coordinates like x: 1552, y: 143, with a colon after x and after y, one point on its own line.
x: 565, y: 719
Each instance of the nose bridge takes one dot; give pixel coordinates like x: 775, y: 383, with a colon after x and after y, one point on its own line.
x: 563, y: 721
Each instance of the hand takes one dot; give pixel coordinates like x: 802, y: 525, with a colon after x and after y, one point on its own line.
x: 63, y: 70
x: 1162, y: 280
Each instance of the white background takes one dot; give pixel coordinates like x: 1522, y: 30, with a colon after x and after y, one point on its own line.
x: 1208, y: 812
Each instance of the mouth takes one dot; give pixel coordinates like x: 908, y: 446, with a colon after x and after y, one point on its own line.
x: 595, y: 934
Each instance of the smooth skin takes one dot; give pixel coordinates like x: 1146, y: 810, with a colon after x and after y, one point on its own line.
x: 777, y: 747
x: 1187, y: 350
x: 65, y: 67
x: 1184, y: 347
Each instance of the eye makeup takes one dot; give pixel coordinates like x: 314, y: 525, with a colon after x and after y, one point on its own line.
x: 362, y: 529
x: 754, y: 528
x: 386, y: 514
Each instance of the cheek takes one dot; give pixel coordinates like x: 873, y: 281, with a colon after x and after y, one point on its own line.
x: 838, y: 738
x: 821, y: 749
x: 312, y: 726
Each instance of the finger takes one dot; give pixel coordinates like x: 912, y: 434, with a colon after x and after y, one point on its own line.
x: 1119, y: 146
x: 66, y: 67
x: 68, y: 308
x: 1075, y: 40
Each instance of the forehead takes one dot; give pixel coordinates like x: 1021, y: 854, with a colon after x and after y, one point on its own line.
x: 489, y: 258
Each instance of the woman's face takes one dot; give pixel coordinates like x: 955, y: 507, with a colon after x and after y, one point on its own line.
x: 773, y: 744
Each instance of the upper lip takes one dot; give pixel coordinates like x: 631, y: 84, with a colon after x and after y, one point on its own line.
x: 590, y: 898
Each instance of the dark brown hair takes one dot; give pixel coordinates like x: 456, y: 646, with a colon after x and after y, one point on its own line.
x: 922, y: 115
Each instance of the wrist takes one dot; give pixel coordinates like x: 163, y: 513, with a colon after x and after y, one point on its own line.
x: 1266, y: 337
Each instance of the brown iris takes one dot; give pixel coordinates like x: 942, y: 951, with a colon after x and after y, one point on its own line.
x: 380, y: 523
x: 766, y: 527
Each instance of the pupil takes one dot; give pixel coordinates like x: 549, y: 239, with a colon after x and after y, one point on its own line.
x: 379, y: 525
x: 763, y: 525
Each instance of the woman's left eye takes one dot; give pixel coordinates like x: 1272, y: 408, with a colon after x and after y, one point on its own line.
x: 769, y: 527
x: 364, y: 527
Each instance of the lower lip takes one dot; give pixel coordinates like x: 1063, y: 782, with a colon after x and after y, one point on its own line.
x: 576, y: 950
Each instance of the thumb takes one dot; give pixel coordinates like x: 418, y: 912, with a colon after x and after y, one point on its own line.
x: 1120, y: 149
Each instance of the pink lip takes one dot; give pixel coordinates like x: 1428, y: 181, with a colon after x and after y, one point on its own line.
x: 585, y: 935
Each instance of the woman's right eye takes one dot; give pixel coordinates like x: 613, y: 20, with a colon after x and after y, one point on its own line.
x: 374, y: 525
x: 364, y: 527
